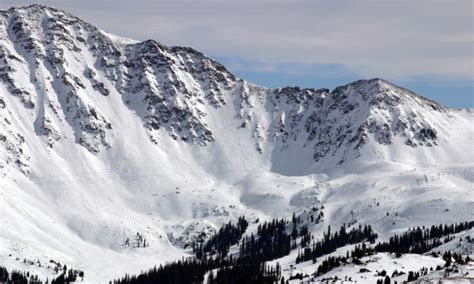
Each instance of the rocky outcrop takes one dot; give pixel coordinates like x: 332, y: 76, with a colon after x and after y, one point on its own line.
x: 49, y: 55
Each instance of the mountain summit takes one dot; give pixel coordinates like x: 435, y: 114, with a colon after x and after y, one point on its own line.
x: 68, y: 74
x: 102, y: 137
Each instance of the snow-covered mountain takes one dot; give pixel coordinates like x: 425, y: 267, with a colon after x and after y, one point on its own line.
x: 103, y: 137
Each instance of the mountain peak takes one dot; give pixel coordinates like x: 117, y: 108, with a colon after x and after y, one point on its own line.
x: 142, y: 139
x: 77, y: 74
x: 30, y: 7
x: 33, y: 10
x: 381, y: 92
x: 38, y: 8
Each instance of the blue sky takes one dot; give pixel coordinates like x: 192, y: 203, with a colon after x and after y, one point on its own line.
x: 423, y: 45
x: 447, y: 91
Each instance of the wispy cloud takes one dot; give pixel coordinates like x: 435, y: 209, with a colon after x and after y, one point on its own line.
x: 397, y: 40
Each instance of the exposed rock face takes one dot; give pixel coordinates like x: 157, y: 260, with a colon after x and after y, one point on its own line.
x: 58, y: 66
x: 12, y: 145
x: 105, y: 139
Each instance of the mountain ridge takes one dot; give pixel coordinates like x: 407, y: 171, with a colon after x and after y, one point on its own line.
x: 103, y: 137
x: 150, y: 53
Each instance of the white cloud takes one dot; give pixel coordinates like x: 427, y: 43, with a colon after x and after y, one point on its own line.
x: 392, y: 39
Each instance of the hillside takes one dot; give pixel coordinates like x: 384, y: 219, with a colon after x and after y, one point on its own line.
x: 102, y: 138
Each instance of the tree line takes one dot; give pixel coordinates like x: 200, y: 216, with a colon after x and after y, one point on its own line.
x: 17, y: 277
x: 420, y: 239
x: 271, y: 241
x: 417, y: 240
x: 22, y: 277
x: 332, y: 241
x: 220, y: 242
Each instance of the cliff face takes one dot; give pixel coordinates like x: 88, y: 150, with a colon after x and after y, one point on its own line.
x: 57, y: 66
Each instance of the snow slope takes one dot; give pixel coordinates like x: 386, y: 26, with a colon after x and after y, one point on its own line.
x: 103, y: 137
